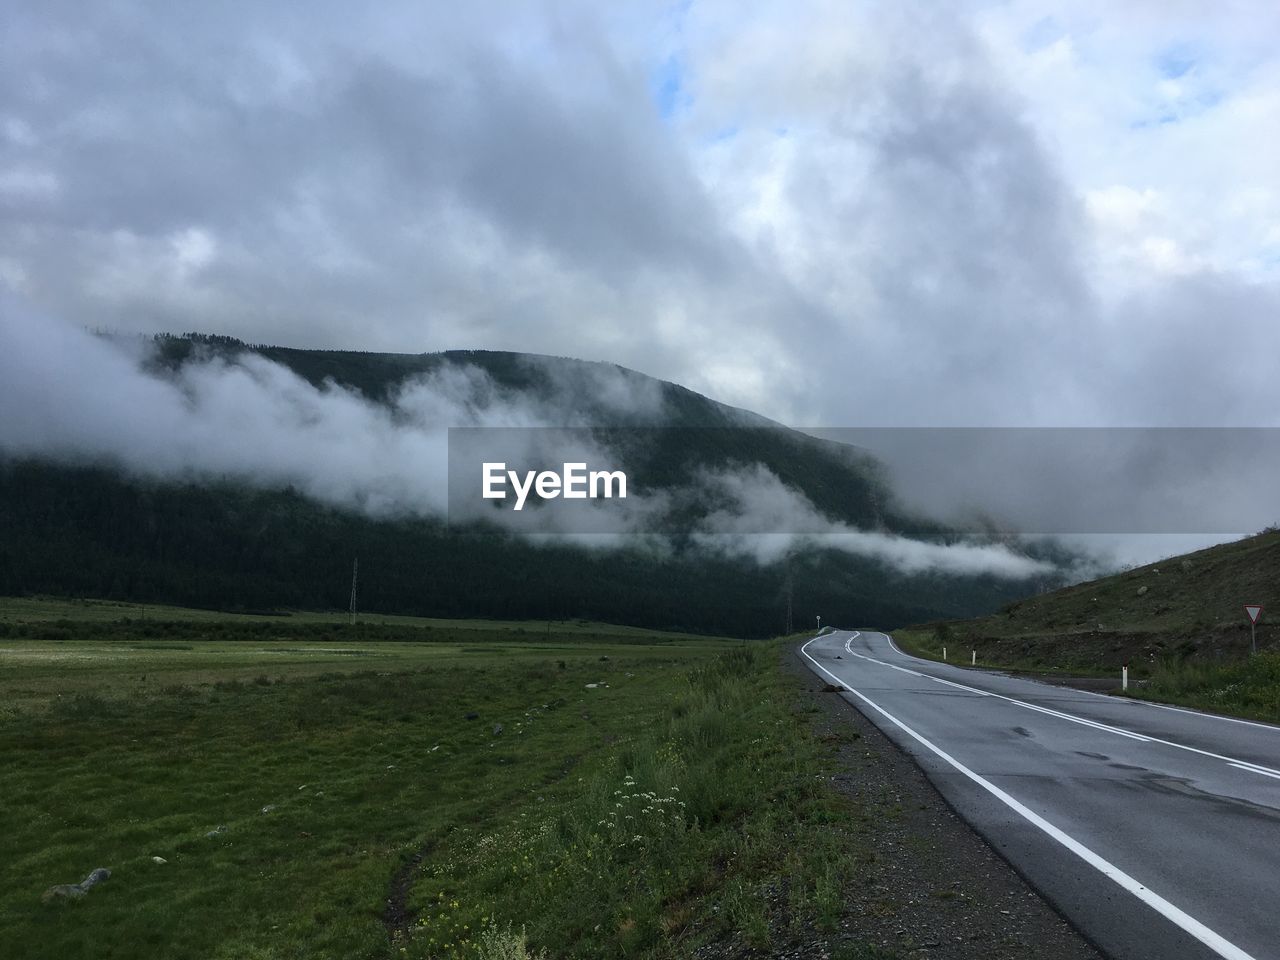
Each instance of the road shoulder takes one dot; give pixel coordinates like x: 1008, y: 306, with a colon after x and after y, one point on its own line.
x: 930, y: 887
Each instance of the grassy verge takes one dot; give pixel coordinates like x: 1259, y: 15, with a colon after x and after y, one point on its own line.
x: 1246, y: 688
x: 929, y: 642
x: 623, y: 799
x: 712, y: 820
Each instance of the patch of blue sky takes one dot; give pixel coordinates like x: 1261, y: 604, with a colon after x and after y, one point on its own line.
x: 1175, y: 62
x: 1184, y: 109
x: 667, y: 87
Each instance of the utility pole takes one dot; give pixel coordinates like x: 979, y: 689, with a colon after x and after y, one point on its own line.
x: 355, y: 570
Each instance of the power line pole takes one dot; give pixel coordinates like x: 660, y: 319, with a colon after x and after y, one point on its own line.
x: 355, y: 570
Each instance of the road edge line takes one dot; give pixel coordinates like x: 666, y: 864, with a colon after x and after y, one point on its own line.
x: 1062, y: 714
x: 1175, y: 915
x: 1273, y: 727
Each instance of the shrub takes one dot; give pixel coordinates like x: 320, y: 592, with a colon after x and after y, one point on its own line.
x: 506, y: 944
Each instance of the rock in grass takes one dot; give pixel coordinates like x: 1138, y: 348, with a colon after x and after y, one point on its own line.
x: 497, y: 729
x: 74, y: 891
x: 268, y: 808
x: 217, y: 831
x: 159, y: 860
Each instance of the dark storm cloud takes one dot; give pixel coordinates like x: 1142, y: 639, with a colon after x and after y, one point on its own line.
x: 363, y: 185
x: 850, y: 217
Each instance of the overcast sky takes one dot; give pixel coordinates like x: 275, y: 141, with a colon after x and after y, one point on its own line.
x: 834, y: 214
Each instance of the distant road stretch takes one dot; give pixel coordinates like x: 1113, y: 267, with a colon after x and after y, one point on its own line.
x: 1155, y: 830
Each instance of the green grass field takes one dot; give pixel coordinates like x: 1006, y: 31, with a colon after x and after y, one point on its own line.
x: 1245, y: 688
x: 33, y: 610
x: 608, y: 794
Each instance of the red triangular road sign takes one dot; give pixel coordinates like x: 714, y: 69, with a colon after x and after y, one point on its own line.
x: 1254, y: 610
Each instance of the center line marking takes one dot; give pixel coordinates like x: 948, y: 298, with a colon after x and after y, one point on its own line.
x: 1214, y: 941
x: 1118, y: 731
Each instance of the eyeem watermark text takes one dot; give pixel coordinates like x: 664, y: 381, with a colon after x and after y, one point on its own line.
x: 574, y: 482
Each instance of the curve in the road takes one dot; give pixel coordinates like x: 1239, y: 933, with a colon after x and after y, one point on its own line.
x: 1066, y: 803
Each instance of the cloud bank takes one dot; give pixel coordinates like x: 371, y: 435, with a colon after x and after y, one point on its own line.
x: 249, y: 420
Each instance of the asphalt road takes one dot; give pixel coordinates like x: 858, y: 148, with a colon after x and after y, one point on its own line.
x: 1154, y: 830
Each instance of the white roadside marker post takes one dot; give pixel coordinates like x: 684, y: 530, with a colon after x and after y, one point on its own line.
x: 1124, y: 677
x: 944, y: 653
x: 973, y: 660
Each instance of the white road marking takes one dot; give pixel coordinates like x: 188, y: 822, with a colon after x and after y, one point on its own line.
x: 1118, y: 731
x: 1214, y: 941
x: 950, y: 684
x: 1082, y: 721
x: 1255, y: 767
x: 1126, y: 700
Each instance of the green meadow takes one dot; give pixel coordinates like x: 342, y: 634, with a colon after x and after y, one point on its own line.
x: 301, y: 787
